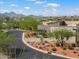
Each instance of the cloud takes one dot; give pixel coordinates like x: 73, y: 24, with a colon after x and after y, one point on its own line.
x: 26, y: 7
x: 53, y: 5
x: 1, y: 2
x: 13, y: 5
x: 51, y: 9
x: 32, y: 0
x: 39, y: 2
x: 4, y: 10
x: 73, y: 11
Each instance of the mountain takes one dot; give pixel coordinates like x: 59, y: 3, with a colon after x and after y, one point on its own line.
x: 11, y: 14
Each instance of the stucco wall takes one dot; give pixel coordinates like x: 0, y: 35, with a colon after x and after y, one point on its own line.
x: 52, y: 28
x: 63, y: 27
x: 72, y: 39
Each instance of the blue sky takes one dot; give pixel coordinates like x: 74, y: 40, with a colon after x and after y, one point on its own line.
x: 41, y: 7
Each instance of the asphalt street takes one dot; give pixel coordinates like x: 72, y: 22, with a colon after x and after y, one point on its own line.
x: 28, y: 53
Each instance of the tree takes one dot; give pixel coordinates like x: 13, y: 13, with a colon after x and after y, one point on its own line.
x: 55, y: 34
x: 28, y: 23
x: 5, y: 39
x: 61, y: 34
x: 68, y: 34
x: 1, y: 26
x: 10, y: 24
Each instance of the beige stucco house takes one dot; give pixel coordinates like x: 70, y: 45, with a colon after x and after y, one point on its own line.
x: 55, y: 25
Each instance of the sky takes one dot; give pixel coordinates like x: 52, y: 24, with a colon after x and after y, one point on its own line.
x: 41, y: 7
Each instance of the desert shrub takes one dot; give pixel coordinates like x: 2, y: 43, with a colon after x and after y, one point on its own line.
x: 77, y: 44
x: 64, y: 48
x: 64, y: 53
x: 54, y: 49
x: 57, y: 44
x: 70, y: 47
x: 74, y: 51
x: 73, y: 45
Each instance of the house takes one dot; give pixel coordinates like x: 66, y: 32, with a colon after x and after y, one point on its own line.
x: 54, y: 25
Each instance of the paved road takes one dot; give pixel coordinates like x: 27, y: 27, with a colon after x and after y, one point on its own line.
x: 28, y: 52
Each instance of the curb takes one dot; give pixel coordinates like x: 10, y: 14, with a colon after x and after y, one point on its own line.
x: 43, y: 50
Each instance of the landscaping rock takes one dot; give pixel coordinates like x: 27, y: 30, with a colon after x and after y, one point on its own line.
x: 76, y: 48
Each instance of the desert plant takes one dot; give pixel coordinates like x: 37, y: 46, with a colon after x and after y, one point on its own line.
x: 75, y: 52
x: 57, y: 44
x: 61, y: 34
x: 28, y: 23
x: 64, y: 53
x: 70, y: 47
x: 54, y: 49
x: 41, y: 38
x: 73, y: 45
x: 64, y: 48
